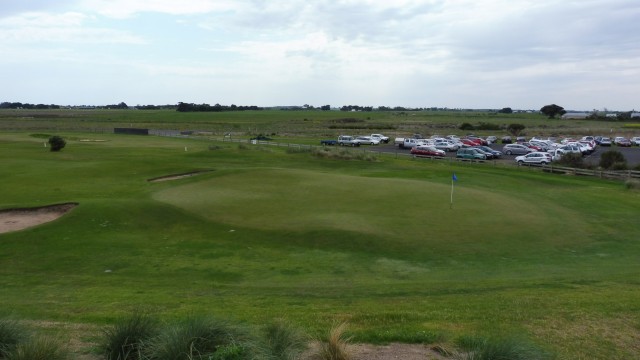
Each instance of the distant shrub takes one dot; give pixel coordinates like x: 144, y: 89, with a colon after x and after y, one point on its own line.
x: 40, y: 348
x: 343, y: 154
x: 619, y: 165
x: 572, y: 160
x: 466, y: 126
x: 124, y: 340
x: 632, y: 184
x: 242, y: 146
x: 12, y: 333
x: 335, y: 348
x: 487, y: 126
x: 215, y: 147
x: 608, y: 160
x: 56, y: 143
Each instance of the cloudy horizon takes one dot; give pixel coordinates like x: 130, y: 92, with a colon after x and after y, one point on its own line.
x: 485, y: 54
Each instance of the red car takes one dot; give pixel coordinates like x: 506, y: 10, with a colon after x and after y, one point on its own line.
x: 423, y: 150
x: 470, y: 142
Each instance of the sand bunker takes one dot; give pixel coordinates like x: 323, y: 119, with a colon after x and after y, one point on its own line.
x: 18, y: 219
x: 178, y: 176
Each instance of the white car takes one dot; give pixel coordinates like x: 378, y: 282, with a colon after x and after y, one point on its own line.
x: 635, y: 140
x: 617, y: 139
x: 366, y: 140
x: 381, y: 138
x: 446, y: 145
x: 535, y: 157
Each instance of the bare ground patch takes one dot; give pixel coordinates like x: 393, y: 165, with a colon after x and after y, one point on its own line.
x: 22, y: 218
x: 178, y: 176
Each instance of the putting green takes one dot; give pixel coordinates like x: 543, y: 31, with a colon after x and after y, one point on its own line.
x: 394, y: 209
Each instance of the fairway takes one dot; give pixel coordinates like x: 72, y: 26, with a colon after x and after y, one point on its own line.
x: 264, y: 233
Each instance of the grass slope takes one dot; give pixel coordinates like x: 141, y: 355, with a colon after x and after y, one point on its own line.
x: 268, y: 234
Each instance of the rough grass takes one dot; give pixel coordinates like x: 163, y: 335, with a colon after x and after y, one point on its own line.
x: 500, y: 347
x: 40, y: 348
x: 12, y: 333
x: 335, y: 346
x: 125, y: 340
x: 284, y: 341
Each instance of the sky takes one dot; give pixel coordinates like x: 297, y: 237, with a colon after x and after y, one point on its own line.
x: 481, y: 54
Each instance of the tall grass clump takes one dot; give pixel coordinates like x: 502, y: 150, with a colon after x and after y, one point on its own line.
x: 499, y: 348
x: 632, y: 184
x: 12, y: 333
x: 39, y: 348
x: 335, y: 348
x: 125, y: 339
x: 200, y: 338
x: 283, y: 341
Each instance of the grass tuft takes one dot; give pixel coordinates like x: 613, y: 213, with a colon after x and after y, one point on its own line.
x: 199, y: 338
x: 40, y: 348
x: 284, y: 341
x: 125, y: 339
x: 12, y: 333
x: 632, y: 184
x: 336, y: 346
x: 496, y: 348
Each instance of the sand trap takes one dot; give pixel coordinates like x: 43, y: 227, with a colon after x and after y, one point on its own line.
x: 178, y: 176
x: 18, y: 219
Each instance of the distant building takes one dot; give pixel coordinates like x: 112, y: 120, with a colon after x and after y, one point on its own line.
x: 575, y: 115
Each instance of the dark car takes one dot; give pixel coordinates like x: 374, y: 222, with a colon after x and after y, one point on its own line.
x: 506, y: 140
x: 495, y: 153
x: 470, y: 153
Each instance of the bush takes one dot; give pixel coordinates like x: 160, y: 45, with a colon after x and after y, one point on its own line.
x: 11, y: 334
x: 572, y: 160
x: 56, y: 143
x: 466, y: 126
x: 612, y: 158
x: 632, y: 184
x: 41, y: 348
x: 126, y: 338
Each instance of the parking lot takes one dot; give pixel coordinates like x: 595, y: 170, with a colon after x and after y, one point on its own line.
x: 632, y: 154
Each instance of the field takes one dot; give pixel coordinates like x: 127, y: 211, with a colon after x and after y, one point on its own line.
x: 261, y: 233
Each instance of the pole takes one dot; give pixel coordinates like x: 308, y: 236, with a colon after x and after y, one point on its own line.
x: 451, y: 203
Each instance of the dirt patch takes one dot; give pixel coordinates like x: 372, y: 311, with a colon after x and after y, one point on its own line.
x: 178, y: 176
x: 383, y: 352
x: 19, y: 219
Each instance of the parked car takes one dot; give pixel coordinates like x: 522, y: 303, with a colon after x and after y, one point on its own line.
x: 446, y: 145
x: 488, y: 154
x: 605, y: 141
x: 521, y: 139
x: 366, y: 140
x: 346, y: 140
x: 618, y: 139
x: 495, y: 153
x: 470, y: 153
x: 535, y: 157
x: 381, y: 138
x: 565, y: 149
x: 516, y: 149
x: 635, y: 140
x: 624, y: 142
x: 506, y: 140
x: 424, y: 150
x: 491, y: 139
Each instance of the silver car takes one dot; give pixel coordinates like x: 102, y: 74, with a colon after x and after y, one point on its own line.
x: 516, y: 149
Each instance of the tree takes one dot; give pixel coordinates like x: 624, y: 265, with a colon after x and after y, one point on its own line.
x: 56, y: 143
x: 613, y: 159
x: 552, y: 110
x: 515, y: 129
x: 506, y: 110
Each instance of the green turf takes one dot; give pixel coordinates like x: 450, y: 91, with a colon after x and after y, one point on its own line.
x: 266, y: 234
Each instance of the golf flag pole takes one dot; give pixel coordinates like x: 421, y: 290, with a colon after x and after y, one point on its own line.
x: 453, y: 179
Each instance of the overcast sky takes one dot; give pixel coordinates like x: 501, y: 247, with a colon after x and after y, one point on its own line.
x: 522, y: 54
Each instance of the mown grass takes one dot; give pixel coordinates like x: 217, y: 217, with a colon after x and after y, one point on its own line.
x: 316, y: 240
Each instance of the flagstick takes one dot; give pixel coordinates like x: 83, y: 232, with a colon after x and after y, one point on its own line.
x: 451, y: 203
